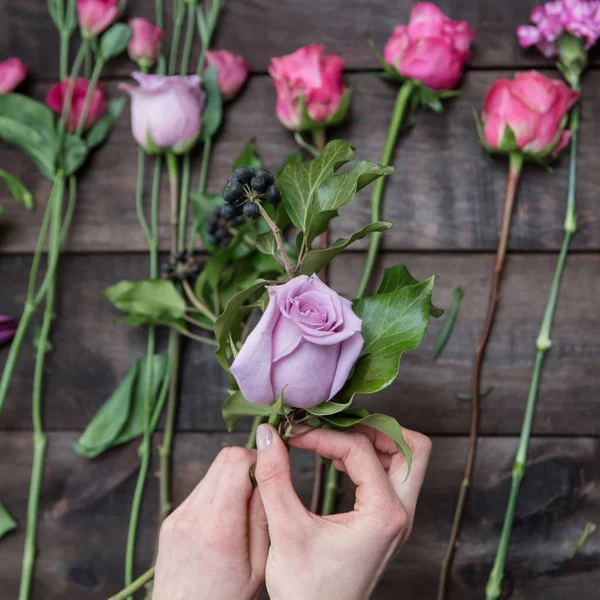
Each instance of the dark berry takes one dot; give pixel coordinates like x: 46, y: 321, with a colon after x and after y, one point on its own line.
x: 240, y: 220
x: 222, y: 243
x: 273, y: 195
x: 233, y: 192
x: 259, y: 183
x: 213, y: 219
x: 181, y: 256
x: 270, y: 178
x: 251, y: 210
x: 243, y: 174
x: 228, y: 212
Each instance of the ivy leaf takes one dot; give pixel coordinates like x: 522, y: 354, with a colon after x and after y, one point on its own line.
x: 213, y: 111
x: 315, y: 260
x: 19, y: 192
x: 248, y: 157
x: 7, y: 523
x: 114, y: 41
x: 149, y: 302
x: 230, y: 317
x: 393, y: 323
x: 101, y: 130
x: 237, y: 407
x: 312, y: 192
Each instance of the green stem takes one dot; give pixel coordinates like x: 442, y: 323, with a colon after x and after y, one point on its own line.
x: 319, y: 138
x: 331, y: 489
x: 139, y: 196
x: 66, y: 109
x: 131, y: 589
x: 251, y: 443
x: 155, y: 198
x: 184, y: 202
x: 64, y: 54
x: 404, y: 94
x: 206, y: 151
x: 179, y: 10
x: 160, y: 14
x: 543, y: 344
x: 70, y: 209
x: 189, y: 37
x: 89, y: 95
x: 174, y: 193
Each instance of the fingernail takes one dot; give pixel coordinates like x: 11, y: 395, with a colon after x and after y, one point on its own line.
x: 264, y: 437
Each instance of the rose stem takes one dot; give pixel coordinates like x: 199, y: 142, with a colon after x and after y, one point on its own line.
x: 179, y: 10
x: 189, y: 37
x: 305, y: 145
x: 251, y: 443
x: 515, y: 168
x: 543, y: 344
x: 404, y: 94
x: 132, y: 588
x: 287, y: 263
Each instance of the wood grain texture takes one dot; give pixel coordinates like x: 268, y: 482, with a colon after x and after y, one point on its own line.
x: 85, y: 507
x: 93, y: 352
x: 259, y: 29
x: 446, y: 193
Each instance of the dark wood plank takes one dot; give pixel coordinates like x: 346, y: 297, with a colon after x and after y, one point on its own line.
x: 259, y: 29
x: 85, y: 510
x: 93, y: 352
x: 446, y: 193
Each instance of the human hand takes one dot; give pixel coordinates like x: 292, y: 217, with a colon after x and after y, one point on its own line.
x: 214, y: 546
x: 338, y: 557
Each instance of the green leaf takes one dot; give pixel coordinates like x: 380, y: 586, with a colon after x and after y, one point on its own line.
x: 393, y: 323
x: 122, y: 417
x: 114, y: 41
x: 101, y: 130
x: 74, y: 154
x: 468, y: 398
x: 203, y: 205
x: 7, y: 523
x: 431, y: 100
x: 328, y: 408
x: 248, y: 157
x: 19, y: 192
x: 213, y: 110
x: 446, y: 330
x: 237, y: 407
x: 316, y: 260
x: 232, y: 316
x: 312, y: 192
x: 291, y: 159
x: 150, y: 301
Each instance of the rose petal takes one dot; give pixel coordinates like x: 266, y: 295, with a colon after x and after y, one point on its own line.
x: 349, y: 354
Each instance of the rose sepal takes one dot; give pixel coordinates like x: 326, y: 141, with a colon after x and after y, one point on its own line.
x: 573, y: 58
x: 307, y: 123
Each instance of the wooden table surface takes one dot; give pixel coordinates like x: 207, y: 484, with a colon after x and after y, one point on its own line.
x: 445, y: 203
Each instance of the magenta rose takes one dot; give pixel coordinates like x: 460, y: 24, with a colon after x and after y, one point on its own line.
x: 533, y: 106
x: 305, y: 346
x: 145, y: 40
x: 12, y: 73
x: 95, y: 16
x: 232, y: 71
x: 315, y: 76
x: 433, y: 48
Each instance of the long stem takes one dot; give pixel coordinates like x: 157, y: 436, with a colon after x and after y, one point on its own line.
x: 287, y: 263
x: 251, y: 443
x: 331, y: 488
x: 131, y: 589
x: 189, y: 37
x: 516, y: 165
x: 64, y: 54
x: 543, y: 344
x: 178, y: 6
x: 184, y: 201
x: 139, y: 196
x: 66, y: 109
x: 404, y: 94
x: 206, y: 151
x: 174, y: 195
x: 89, y: 95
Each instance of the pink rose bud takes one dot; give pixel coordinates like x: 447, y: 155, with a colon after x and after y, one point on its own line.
x: 534, y: 107
x: 96, y: 15
x: 55, y: 99
x: 8, y: 327
x: 232, y: 71
x: 166, y: 112
x: 433, y: 48
x: 305, y: 346
x: 12, y: 73
x: 145, y: 41
x: 314, y: 75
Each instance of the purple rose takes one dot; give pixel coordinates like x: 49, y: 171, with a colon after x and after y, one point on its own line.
x: 8, y: 327
x: 166, y: 112
x: 305, y: 346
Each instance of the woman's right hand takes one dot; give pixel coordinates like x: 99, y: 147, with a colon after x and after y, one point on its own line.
x: 341, y: 556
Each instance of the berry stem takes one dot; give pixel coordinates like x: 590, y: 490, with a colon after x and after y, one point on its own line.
x: 290, y: 268
x: 200, y: 306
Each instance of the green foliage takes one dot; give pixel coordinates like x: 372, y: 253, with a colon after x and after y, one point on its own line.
x: 313, y: 192
x: 7, y: 523
x: 236, y: 407
x: 101, y: 130
x: 121, y: 418
x: 248, y: 158
x: 446, y: 330
x: 18, y: 191
x: 149, y: 302
x: 212, y: 114
x: 114, y: 41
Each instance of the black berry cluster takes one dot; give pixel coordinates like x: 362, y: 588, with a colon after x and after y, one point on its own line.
x: 185, y: 266
x: 246, y: 188
x: 219, y: 227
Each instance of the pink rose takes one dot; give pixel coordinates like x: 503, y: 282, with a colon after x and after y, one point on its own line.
x: 432, y: 48
x: 55, y: 99
x: 12, y: 73
x: 533, y: 106
x: 314, y: 75
x: 96, y: 15
x: 232, y: 71
x: 166, y: 112
x: 145, y: 41
x: 305, y: 346
x: 8, y: 327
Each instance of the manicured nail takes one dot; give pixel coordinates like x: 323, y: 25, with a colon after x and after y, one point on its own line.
x: 264, y: 437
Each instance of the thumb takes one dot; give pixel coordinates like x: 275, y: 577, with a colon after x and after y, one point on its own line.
x: 274, y: 477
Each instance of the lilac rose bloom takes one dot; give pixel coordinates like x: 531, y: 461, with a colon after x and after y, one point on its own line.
x: 305, y: 346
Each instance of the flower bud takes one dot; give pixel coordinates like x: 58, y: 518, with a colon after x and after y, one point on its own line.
x: 313, y: 76
x: 527, y: 114
x: 232, y: 71
x: 166, y: 111
x: 8, y: 327
x: 12, y: 73
x: 56, y: 96
x: 145, y: 42
x: 95, y: 16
